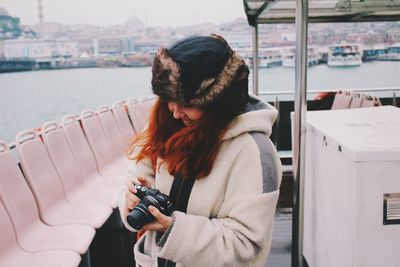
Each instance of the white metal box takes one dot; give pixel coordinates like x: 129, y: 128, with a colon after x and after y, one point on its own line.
x: 352, y: 161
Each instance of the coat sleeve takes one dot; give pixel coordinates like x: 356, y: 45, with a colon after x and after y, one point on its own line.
x: 243, y: 226
x: 143, y: 168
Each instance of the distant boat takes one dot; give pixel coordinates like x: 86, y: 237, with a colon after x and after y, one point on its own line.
x: 374, y: 52
x: 269, y: 57
x: 344, y: 55
x: 288, y: 56
x: 393, y: 52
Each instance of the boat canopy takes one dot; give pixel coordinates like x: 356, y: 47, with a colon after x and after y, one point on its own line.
x: 283, y: 11
x: 302, y: 12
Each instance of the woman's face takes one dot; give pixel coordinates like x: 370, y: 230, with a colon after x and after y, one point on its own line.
x: 188, y: 115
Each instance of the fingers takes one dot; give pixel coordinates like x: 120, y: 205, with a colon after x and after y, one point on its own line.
x: 161, y: 218
x: 130, y: 184
x: 161, y: 223
x: 131, y: 200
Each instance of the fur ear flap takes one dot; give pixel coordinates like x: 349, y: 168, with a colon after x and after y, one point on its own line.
x: 234, y: 71
x: 166, y: 76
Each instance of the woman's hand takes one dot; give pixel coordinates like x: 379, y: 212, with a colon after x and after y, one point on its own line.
x: 130, y: 198
x: 161, y: 223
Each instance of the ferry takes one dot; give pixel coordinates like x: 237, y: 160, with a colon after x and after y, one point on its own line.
x: 338, y: 212
x: 288, y: 56
x: 374, y: 52
x: 344, y: 55
x: 269, y: 57
x: 393, y: 52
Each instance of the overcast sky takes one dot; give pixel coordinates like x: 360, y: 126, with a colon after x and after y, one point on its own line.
x: 101, y: 12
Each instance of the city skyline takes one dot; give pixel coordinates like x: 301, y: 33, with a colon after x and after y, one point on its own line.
x: 174, y: 13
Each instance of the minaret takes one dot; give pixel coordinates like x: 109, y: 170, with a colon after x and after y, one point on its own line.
x: 40, y: 9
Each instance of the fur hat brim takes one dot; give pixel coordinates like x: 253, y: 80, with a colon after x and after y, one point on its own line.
x: 166, y: 80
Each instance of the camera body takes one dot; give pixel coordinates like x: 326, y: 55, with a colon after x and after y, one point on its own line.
x: 140, y: 215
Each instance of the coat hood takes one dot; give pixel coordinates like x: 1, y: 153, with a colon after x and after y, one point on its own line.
x: 259, y: 116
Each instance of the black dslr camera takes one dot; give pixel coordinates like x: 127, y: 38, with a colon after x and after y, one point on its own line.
x: 140, y: 215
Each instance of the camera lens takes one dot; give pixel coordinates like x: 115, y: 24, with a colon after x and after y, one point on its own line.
x: 140, y: 215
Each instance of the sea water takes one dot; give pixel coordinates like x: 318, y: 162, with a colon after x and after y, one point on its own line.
x: 29, y: 99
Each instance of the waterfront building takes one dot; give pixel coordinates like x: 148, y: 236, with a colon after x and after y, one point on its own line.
x: 28, y: 48
x: 372, y: 38
x: 87, y: 46
x: 114, y: 46
x: 146, y: 47
x: 366, y: 38
x: 49, y: 29
x: 109, y: 46
x: 39, y: 49
x: 393, y: 35
x: 66, y: 48
x: 277, y: 36
x: 289, y: 37
x: 9, y: 26
x: 127, y: 44
x: 239, y: 40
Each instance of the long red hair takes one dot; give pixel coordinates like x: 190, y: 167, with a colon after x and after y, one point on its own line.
x: 189, y: 151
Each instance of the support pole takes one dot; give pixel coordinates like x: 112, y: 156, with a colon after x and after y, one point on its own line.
x: 299, y: 131
x: 255, y: 59
x: 277, y: 122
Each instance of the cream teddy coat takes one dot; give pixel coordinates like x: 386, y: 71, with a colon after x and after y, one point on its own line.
x: 230, y: 212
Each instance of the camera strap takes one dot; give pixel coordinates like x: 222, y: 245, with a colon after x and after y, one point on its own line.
x: 180, y: 192
x: 179, y: 195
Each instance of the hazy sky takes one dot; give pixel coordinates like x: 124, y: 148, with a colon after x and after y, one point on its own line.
x: 101, y: 12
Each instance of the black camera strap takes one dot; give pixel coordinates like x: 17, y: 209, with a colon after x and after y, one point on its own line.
x: 180, y: 192
x: 179, y: 195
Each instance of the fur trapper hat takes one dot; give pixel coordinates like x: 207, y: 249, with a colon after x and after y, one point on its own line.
x: 199, y: 70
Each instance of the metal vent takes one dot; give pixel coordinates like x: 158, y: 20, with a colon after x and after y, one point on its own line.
x: 391, y: 208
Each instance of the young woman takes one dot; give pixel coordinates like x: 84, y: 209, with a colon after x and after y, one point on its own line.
x: 208, y: 133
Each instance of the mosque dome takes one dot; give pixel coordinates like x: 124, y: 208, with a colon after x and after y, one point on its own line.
x: 134, y: 21
x: 3, y: 12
